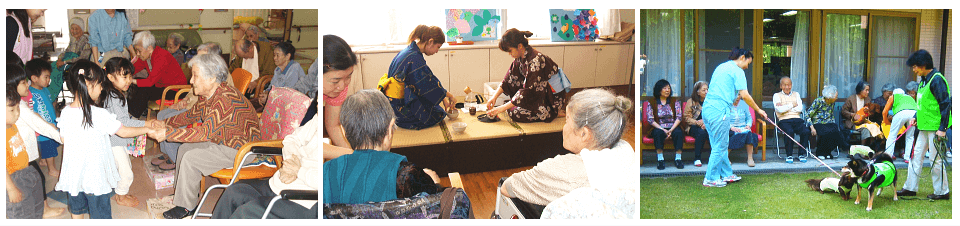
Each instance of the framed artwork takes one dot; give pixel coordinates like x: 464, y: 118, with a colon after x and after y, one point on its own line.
x: 572, y: 25
x: 472, y: 24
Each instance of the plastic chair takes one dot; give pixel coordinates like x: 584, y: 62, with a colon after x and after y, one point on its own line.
x: 282, y: 113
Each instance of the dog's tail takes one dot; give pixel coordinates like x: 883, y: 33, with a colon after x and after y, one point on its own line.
x: 883, y: 157
x: 814, y: 184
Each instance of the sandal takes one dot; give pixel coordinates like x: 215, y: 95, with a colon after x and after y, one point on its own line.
x: 488, y: 119
x: 159, y: 160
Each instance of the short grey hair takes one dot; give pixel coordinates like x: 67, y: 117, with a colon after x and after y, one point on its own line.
x: 254, y: 28
x: 888, y: 87
x: 146, y: 39
x: 211, y: 47
x: 829, y: 91
x: 177, y: 38
x: 913, y: 86
x: 211, y: 66
x: 603, y: 112
x: 365, y: 117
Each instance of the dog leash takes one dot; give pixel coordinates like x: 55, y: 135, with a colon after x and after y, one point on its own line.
x: 801, y: 145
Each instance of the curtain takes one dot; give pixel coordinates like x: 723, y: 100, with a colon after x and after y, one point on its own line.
x: 608, y: 21
x: 844, y: 52
x: 893, y: 44
x: 379, y: 26
x: 800, y: 55
x: 662, y: 48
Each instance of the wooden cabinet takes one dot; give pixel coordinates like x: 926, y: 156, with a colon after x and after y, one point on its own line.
x: 613, y: 65
x: 373, y: 66
x: 580, y: 65
x: 585, y: 65
x: 468, y: 68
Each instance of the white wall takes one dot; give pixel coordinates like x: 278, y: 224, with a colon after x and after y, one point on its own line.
x: 208, y: 19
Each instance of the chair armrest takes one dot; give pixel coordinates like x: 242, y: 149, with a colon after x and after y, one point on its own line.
x: 261, y: 145
x: 167, y: 89
x: 293, y: 194
x: 267, y: 150
x: 261, y: 83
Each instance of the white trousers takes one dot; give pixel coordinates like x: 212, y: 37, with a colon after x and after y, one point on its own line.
x: 941, y: 184
x: 899, y: 121
x: 123, y: 166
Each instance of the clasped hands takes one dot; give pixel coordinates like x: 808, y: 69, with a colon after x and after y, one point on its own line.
x: 158, y: 130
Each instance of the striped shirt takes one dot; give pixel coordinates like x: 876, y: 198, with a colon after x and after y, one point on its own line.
x: 227, y: 118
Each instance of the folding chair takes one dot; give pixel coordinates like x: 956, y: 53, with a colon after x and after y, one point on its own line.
x: 776, y: 120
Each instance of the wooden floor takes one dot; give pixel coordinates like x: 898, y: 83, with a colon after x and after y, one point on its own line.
x: 482, y: 187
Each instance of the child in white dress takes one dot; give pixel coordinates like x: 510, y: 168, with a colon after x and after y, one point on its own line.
x: 89, y: 171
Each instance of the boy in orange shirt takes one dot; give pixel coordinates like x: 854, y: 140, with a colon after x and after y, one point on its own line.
x: 24, y: 194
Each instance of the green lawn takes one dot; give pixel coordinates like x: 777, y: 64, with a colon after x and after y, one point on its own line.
x: 780, y: 196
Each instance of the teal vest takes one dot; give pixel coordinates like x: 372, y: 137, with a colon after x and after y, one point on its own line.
x: 903, y: 102
x: 886, y: 169
x: 928, y: 115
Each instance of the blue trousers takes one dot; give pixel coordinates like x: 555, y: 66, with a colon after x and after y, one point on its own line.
x: 718, y: 128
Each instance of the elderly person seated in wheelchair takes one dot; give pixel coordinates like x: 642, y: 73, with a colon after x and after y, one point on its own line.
x: 595, y: 122
x: 372, y: 173
x: 248, y: 199
x: 223, y: 121
x: 825, y: 126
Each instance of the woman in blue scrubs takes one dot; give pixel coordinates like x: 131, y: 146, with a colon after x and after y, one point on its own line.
x: 728, y: 82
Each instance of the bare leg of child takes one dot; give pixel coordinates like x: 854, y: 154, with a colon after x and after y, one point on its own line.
x: 51, y: 167
x: 49, y: 212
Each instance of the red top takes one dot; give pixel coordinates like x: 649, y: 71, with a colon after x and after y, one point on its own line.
x: 165, y: 71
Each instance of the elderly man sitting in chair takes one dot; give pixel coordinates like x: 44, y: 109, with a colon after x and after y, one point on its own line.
x: 223, y: 121
x: 248, y: 199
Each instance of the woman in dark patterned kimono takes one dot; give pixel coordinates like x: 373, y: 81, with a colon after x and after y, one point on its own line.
x: 532, y: 99
x: 414, y: 92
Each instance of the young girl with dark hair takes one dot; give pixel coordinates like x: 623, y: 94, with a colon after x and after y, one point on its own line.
x: 89, y: 171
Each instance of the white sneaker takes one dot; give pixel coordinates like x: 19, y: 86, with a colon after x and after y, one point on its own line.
x: 716, y: 184
x: 731, y: 178
x: 697, y: 163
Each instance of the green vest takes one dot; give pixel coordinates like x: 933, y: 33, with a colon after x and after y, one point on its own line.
x: 928, y: 114
x: 886, y: 169
x: 903, y: 102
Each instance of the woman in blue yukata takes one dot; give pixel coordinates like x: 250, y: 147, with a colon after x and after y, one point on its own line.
x: 414, y: 92
x: 728, y: 82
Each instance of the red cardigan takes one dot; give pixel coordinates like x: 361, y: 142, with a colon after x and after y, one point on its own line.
x: 165, y: 71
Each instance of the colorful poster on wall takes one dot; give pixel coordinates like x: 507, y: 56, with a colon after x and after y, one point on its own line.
x: 472, y: 24
x: 573, y: 25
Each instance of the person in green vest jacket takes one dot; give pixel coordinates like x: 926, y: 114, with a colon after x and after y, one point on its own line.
x: 932, y: 120
x: 899, y: 109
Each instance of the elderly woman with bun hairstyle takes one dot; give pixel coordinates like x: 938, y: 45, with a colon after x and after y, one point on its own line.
x: 600, y: 158
x: 414, y: 91
x: 531, y: 97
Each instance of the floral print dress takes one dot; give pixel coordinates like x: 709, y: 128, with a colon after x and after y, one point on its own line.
x: 526, y: 84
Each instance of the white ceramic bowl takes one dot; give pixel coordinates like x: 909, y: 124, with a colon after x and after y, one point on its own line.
x: 459, y: 127
x: 453, y: 114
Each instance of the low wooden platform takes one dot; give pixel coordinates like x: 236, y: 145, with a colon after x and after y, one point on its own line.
x: 482, y: 146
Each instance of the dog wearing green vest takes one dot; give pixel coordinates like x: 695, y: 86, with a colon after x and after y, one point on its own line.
x: 873, y: 176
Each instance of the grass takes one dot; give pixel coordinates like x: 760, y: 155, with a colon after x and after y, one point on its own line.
x: 781, y: 196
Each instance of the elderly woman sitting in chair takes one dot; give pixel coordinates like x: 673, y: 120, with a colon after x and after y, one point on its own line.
x: 372, y: 173
x: 594, y: 126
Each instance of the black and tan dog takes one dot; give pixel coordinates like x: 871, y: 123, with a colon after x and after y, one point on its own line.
x: 873, y: 176
x: 833, y: 184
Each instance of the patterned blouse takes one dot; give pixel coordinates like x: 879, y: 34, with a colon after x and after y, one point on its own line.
x: 820, y: 112
x: 526, y: 82
x: 666, y: 115
x: 227, y: 119
x: 80, y: 46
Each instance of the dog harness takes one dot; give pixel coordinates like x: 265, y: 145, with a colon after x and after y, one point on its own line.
x: 886, y: 169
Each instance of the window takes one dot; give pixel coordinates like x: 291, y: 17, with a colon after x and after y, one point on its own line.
x: 721, y: 30
x: 893, y: 39
x: 785, y: 50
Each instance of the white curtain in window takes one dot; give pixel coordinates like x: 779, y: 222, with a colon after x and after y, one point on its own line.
x: 663, y: 48
x: 609, y: 21
x: 526, y: 19
x: 799, y: 57
x: 893, y: 44
x: 844, y: 52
